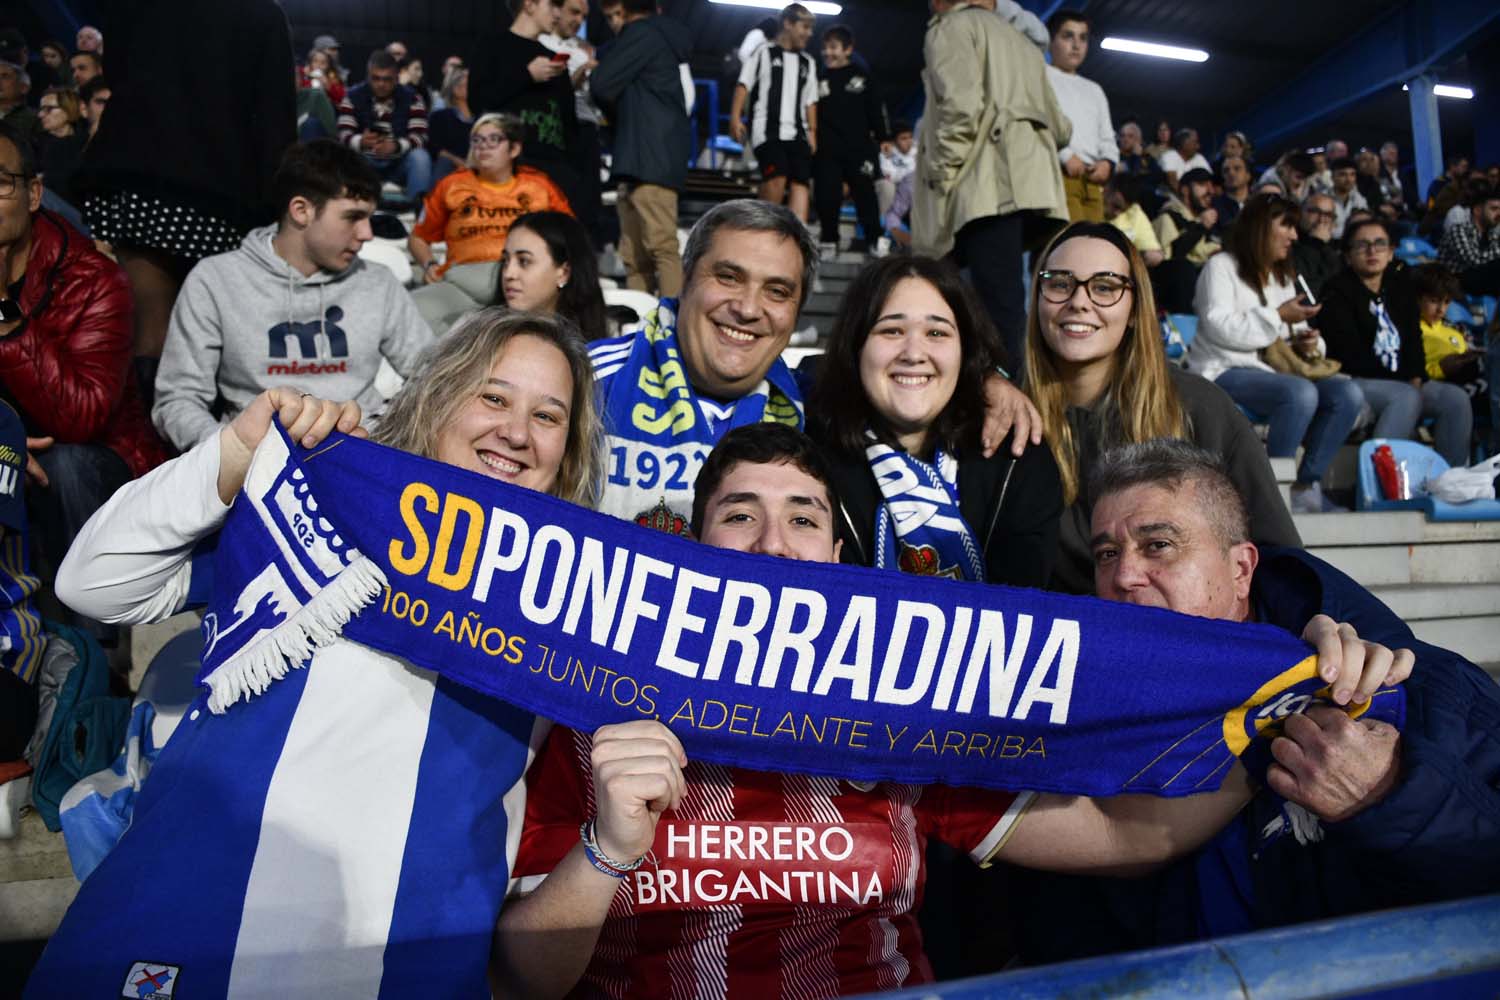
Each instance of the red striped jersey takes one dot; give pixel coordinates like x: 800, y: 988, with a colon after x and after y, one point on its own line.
x: 763, y: 885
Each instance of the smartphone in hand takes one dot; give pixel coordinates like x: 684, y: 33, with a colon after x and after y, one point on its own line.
x: 1307, y: 295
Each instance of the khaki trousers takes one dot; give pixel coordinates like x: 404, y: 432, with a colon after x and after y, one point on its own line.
x: 648, y: 238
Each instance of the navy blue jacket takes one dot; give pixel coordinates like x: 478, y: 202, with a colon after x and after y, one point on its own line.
x: 639, y: 83
x: 1435, y: 837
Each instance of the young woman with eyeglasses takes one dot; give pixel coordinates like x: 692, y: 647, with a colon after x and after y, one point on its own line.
x: 1097, y: 371
x: 472, y: 209
x: 1246, y: 301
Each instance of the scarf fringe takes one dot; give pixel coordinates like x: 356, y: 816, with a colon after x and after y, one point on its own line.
x: 314, y: 625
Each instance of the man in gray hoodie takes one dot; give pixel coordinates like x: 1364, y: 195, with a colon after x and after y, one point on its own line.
x: 294, y: 305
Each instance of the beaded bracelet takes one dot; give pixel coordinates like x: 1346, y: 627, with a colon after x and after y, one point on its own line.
x: 601, y: 861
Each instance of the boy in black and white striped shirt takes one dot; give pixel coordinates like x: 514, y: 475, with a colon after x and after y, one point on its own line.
x: 781, y: 81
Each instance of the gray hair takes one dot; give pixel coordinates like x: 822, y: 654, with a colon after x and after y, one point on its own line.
x: 1170, y: 463
x: 21, y: 74
x: 454, y: 77
x: 753, y: 215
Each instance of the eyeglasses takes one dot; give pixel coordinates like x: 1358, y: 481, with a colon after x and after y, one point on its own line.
x: 1361, y: 246
x: 1103, y: 288
x: 485, y: 141
x: 11, y: 183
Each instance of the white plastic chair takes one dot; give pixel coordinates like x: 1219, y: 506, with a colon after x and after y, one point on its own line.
x: 390, y: 255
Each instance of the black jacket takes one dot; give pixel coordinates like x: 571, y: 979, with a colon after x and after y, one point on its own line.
x: 1348, y: 326
x: 851, y: 118
x: 1317, y: 261
x: 639, y: 84
x: 500, y: 81
x: 1011, y: 504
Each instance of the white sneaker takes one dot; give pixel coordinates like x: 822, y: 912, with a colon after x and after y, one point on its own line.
x: 828, y: 251
x: 882, y: 247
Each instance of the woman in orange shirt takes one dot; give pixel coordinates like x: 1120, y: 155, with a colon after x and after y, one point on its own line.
x: 471, y: 210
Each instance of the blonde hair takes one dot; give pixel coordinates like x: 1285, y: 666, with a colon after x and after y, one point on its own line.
x: 454, y: 369
x: 509, y: 125
x: 1140, y: 402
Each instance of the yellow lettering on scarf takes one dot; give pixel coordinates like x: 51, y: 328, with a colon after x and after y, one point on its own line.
x: 412, y: 565
x: 438, y: 573
x: 678, y: 417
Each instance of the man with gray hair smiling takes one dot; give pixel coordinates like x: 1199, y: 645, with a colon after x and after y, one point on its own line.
x: 1355, y: 815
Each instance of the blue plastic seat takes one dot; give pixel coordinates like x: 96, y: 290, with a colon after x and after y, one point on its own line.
x: 1422, y: 463
x: 1415, y: 250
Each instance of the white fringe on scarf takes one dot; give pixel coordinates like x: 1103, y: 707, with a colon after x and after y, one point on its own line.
x: 290, y: 644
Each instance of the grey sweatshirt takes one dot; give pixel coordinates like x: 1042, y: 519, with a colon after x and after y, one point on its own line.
x: 247, y: 321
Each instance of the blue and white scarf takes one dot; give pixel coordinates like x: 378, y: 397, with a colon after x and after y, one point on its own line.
x: 1387, y: 337
x: 546, y: 605
x: 659, y: 430
x: 919, y: 528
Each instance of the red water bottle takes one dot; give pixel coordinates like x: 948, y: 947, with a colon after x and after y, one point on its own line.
x: 1385, y: 471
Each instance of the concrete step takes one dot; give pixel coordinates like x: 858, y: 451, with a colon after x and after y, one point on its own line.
x: 1390, y: 527
x: 1382, y: 565
x: 32, y: 910
x: 1285, y: 469
x: 1416, y: 602
x: 1476, y: 639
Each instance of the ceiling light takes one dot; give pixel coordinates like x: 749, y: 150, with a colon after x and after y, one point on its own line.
x: 1448, y: 90
x: 1153, y: 49
x: 816, y: 6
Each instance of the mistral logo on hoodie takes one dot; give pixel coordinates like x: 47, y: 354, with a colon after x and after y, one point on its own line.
x: 306, y: 335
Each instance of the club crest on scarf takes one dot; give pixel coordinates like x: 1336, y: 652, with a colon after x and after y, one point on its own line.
x: 300, y: 554
x: 919, y: 528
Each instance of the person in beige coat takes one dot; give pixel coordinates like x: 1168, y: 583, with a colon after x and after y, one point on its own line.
x: 988, y: 181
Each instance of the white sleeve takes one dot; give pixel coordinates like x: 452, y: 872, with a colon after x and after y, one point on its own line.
x: 810, y: 89
x: 750, y: 67
x: 132, y: 561
x: 689, y: 88
x: 1222, y: 320
x: 1109, y: 149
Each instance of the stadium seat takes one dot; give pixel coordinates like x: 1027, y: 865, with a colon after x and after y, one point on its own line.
x: 1413, y: 250
x: 1422, y: 464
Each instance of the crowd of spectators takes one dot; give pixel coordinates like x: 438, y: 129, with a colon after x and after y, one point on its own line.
x: 176, y: 301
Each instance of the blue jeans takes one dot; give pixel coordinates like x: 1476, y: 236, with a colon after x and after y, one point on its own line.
x: 1398, y: 406
x: 1317, y: 415
x: 412, y: 171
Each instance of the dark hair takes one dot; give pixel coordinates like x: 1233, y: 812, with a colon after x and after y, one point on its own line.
x: 1251, y: 235
x: 22, y: 141
x: 1351, y: 228
x: 568, y: 243
x: 1231, y: 156
x: 756, y: 216
x: 381, y: 59
x: 1128, y: 186
x: 759, y: 444
x: 838, y: 398
x: 1300, y: 162
x: 55, y: 46
x: 1169, y: 463
x: 840, y: 33
x: 1343, y: 163
x: 1062, y: 17
x: 794, y: 12
x: 1181, y: 136
x: 1434, y: 281
x: 320, y: 171
x: 96, y: 57
x: 1477, y: 191
x: 647, y: 7
x: 91, y: 87
x: 900, y: 126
